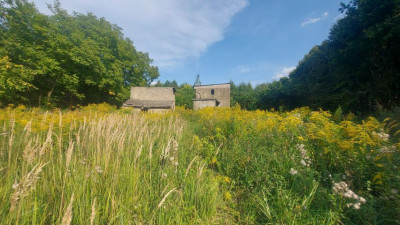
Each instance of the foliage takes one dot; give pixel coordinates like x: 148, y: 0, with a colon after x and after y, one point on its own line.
x: 244, y: 95
x: 100, y: 165
x: 14, y: 80
x: 184, y: 96
x: 283, y: 167
x: 356, y: 68
x: 64, y: 59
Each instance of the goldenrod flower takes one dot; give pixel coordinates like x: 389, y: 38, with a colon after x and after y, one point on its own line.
x: 227, y: 196
x: 226, y: 179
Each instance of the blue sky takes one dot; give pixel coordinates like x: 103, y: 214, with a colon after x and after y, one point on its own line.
x: 241, y: 40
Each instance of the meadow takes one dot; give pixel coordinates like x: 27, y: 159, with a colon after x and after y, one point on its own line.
x: 102, y: 165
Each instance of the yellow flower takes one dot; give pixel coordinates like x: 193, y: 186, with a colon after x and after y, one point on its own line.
x: 226, y: 179
x: 227, y: 196
x: 378, y: 178
x: 297, y: 208
x: 214, y: 160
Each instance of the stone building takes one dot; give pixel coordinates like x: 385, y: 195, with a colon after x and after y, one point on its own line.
x: 154, y: 99
x: 215, y: 95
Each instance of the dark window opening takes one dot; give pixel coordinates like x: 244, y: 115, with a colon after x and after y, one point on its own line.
x: 212, y: 91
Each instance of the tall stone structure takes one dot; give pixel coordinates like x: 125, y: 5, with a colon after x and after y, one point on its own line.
x: 214, y: 95
x: 155, y: 99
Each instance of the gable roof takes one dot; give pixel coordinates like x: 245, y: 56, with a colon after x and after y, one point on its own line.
x: 225, y: 85
x: 147, y: 104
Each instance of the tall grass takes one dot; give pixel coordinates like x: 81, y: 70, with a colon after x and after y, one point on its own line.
x: 95, y: 167
x: 100, y: 165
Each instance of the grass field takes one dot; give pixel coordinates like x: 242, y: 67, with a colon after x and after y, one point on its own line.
x: 100, y: 165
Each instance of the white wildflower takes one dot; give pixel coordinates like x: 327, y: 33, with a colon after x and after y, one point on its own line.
x: 382, y: 135
x: 293, y: 171
x: 349, y: 194
x: 305, y: 160
x: 394, y: 191
x: 387, y: 149
x: 339, y: 187
x: 98, y: 169
x: 343, y: 190
x: 302, y: 150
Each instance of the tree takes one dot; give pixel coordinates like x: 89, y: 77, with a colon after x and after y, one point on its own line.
x: 197, y: 82
x: 356, y: 68
x: 173, y: 84
x: 184, y: 96
x: 244, y: 95
x: 71, y: 59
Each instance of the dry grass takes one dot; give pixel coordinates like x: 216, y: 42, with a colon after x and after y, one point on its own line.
x: 112, y: 165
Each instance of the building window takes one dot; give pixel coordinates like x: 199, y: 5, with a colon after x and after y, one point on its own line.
x: 212, y: 91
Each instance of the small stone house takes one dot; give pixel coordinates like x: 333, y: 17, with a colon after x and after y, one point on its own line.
x: 214, y: 95
x: 153, y: 99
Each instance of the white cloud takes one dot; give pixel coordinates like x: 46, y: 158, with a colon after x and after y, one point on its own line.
x: 309, y: 21
x: 170, y: 30
x: 284, y: 72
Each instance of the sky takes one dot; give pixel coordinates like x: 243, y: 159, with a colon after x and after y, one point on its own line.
x: 254, y: 41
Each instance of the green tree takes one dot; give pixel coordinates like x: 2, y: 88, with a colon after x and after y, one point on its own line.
x: 184, y: 96
x: 173, y: 84
x: 356, y: 68
x: 244, y: 95
x: 71, y: 59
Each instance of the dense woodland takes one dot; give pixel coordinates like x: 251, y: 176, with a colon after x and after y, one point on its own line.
x: 63, y: 60
x: 357, y: 67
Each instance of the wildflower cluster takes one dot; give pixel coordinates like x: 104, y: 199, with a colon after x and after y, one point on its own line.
x: 305, y: 160
x: 255, y: 143
x: 382, y: 135
x: 343, y: 190
x: 387, y: 149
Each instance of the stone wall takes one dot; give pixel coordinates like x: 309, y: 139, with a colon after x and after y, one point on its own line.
x: 199, y: 104
x: 153, y: 93
x: 222, y: 93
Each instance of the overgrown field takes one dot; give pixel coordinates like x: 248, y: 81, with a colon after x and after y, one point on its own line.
x: 100, y: 165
